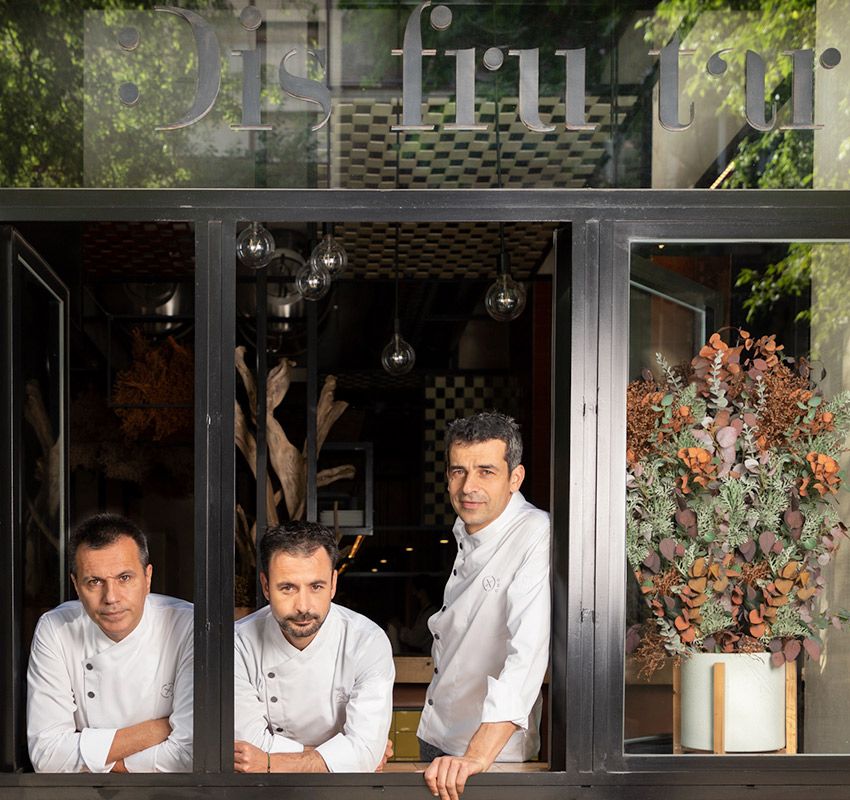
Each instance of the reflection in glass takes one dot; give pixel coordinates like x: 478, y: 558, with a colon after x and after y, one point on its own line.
x: 42, y: 448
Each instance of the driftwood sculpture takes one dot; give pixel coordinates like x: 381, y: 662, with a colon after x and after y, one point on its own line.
x: 287, y: 464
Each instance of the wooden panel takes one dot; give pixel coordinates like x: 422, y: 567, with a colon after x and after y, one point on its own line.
x: 791, y: 707
x: 719, y: 673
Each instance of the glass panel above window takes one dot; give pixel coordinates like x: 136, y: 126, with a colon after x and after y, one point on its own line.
x: 365, y: 94
x: 738, y: 427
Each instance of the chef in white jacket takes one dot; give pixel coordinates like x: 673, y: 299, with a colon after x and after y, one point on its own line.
x: 109, y: 685
x: 491, y: 636
x: 313, y: 680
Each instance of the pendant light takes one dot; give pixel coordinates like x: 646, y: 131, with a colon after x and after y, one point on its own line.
x: 312, y: 281
x: 398, y: 357
x: 329, y: 253
x: 255, y: 246
x: 505, y: 299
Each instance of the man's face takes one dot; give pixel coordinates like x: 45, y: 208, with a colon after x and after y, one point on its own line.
x: 112, y: 585
x: 299, y: 590
x: 480, y: 484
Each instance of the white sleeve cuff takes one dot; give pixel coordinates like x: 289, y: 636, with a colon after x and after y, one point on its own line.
x: 503, y: 704
x: 280, y: 744
x: 338, y: 755
x: 143, y: 761
x: 95, y: 744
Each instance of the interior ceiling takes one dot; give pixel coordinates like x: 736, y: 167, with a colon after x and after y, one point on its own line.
x: 364, y: 155
x: 427, y: 250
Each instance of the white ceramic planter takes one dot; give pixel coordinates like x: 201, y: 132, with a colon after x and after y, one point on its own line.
x: 754, y: 711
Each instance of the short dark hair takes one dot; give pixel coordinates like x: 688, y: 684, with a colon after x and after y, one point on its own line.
x: 297, y: 538
x: 483, y: 427
x: 102, y: 530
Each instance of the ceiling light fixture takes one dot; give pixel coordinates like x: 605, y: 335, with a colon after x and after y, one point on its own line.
x: 505, y: 299
x: 398, y: 357
x: 255, y: 246
x: 329, y: 253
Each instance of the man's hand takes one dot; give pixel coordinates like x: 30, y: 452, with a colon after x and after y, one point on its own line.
x: 247, y: 758
x: 119, y: 766
x: 446, y: 776
x: 388, y: 754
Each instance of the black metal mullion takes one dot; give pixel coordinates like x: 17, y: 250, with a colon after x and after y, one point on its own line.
x: 575, y: 381
x: 312, y: 408
x: 11, y: 595
x: 610, y: 568
x: 214, y: 494
x: 262, y: 429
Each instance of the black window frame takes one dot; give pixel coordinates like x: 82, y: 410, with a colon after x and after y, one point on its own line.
x: 590, y: 353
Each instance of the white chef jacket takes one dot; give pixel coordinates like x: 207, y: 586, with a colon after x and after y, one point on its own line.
x: 491, y: 637
x: 334, y: 695
x: 82, y: 687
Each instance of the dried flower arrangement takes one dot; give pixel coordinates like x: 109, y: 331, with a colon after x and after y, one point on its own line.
x: 732, y: 468
x: 161, y: 377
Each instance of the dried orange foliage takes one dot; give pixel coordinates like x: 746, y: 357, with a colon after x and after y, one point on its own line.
x: 641, y: 418
x: 825, y: 473
x: 159, y: 374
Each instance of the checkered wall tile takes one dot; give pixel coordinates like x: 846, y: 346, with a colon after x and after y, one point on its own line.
x: 443, y: 250
x: 364, y: 157
x: 446, y: 398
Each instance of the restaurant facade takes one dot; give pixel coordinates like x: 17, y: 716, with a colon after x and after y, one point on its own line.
x: 634, y: 176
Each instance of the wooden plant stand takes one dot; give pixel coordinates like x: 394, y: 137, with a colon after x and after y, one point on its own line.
x: 719, y: 705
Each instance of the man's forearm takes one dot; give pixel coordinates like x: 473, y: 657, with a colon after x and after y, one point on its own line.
x: 487, y: 742
x: 136, y: 738
x: 308, y: 761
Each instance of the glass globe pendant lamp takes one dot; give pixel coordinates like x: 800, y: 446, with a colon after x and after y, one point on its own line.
x: 330, y: 254
x: 312, y: 281
x: 255, y: 246
x: 398, y: 357
x: 505, y: 299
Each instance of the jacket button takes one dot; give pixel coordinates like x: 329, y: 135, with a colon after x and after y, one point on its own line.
x: 454, y: 572
x: 273, y: 699
x: 91, y: 694
x: 279, y: 730
x: 89, y: 666
x: 430, y: 702
x: 436, y: 670
x: 271, y: 674
x: 443, y: 608
x: 437, y: 636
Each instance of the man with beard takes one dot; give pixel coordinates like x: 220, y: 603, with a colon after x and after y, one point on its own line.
x: 313, y: 680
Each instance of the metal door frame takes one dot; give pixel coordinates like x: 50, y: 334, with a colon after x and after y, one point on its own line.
x: 590, y: 303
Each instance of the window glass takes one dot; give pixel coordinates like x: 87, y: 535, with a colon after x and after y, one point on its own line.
x: 380, y: 475
x: 666, y: 94
x: 107, y: 425
x: 737, y: 449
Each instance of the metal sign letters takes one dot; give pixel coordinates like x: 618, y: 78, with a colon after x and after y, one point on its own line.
x: 314, y: 91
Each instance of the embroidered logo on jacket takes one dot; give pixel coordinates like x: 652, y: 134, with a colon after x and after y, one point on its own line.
x: 167, y: 690
x: 490, y: 583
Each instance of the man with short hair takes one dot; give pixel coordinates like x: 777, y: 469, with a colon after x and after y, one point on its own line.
x: 110, y: 678
x: 491, y: 636
x: 313, y: 680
